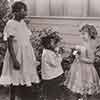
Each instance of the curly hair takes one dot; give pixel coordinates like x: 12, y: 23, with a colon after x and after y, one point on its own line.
x: 17, y: 6
x: 46, y: 41
x: 92, y: 32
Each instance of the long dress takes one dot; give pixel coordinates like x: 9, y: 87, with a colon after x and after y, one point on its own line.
x: 83, y: 77
x: 24, y: 54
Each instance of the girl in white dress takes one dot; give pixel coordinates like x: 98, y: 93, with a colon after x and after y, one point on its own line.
x: 20, y: 63
x: 83, y: 76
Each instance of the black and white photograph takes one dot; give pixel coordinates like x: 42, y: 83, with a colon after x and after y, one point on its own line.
x: 49, y: 50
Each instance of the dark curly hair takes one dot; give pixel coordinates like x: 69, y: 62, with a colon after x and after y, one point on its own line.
x: 92, y: 32
x: 17, y: 6
x: 46, y: 41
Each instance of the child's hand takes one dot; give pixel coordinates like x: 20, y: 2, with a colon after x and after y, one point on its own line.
x: 86, y: 60
x: 16, y: 65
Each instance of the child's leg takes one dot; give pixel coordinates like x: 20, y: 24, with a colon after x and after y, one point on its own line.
x: 22, y: 92
x: 1, y: 66
x: 12, y: 92
x: 15, y: 91
x: 46, y: 90
x: 59, y: 89
x: 29, y: 93
x: 56, y: 91
x: 53, y: 90
x: 35, y: 91
x: 49, y: 91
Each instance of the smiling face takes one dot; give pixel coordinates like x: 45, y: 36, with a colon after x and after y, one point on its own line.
x: 85, y: 36
x: 19, y: 9
x: 21, y: 14
x: 88, y: 32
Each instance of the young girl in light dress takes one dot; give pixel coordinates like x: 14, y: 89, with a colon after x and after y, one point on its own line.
x: 20, y: 63
x: 83, y: 78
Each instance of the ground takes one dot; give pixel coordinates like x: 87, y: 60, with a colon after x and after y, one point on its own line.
x: 4, y: 95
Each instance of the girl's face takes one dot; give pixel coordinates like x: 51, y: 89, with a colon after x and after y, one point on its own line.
x: 21, y: 15
x: 85, y: 36
x: 23, y: 12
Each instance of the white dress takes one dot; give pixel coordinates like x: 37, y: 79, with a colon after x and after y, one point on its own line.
x: 24, y: 54
x: 83, y: 77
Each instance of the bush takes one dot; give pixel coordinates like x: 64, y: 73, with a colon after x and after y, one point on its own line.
x: 36, y: 38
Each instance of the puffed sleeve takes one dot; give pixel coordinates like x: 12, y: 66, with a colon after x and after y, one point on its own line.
x: 8, y: 30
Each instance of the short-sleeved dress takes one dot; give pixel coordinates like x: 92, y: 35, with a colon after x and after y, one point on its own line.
x: 83, y: 77
x: 24, y: 54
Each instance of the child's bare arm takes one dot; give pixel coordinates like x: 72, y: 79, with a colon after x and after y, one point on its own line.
x: 86, y: 60
x: 12, y: 53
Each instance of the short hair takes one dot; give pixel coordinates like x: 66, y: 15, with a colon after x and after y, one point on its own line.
x: 90, y: 29
x: 17, y: 6
x: 46, y: 41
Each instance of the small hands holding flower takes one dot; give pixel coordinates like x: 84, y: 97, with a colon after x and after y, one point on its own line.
x: 76, y: 51
x: 84, y: 59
